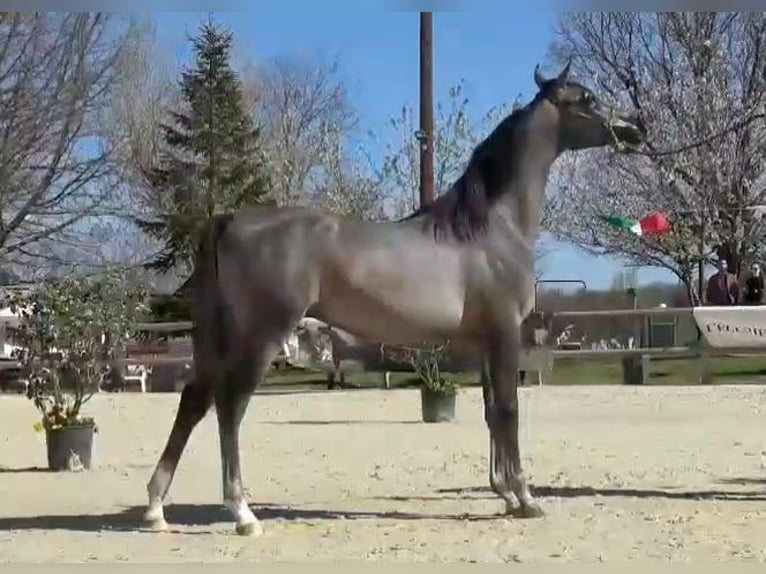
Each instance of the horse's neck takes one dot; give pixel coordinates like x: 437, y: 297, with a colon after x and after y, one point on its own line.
x: 523, y: 197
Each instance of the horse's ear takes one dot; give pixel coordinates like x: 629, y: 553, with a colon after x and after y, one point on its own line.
x: 564, y: 74
x: 539, y: 78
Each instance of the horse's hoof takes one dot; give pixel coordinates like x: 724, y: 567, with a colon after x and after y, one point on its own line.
x: 157, y: 524
x: 532, y: 510
x: 511, y: 507
x: 249, y: 529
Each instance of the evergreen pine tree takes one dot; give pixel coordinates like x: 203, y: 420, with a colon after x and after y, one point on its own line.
x: 211, y: 159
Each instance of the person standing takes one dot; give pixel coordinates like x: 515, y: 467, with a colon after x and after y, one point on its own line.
x: 722, y: 287
x: 753, y: 291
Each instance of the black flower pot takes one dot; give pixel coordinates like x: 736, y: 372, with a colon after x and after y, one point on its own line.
x: 437, y: 407
x: 65, y: 441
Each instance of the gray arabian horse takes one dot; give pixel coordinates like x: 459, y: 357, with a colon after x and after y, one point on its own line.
x: 458, y: 269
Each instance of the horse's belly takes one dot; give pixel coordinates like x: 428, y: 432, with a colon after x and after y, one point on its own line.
x: 400, y: 302
x: 374, y: 324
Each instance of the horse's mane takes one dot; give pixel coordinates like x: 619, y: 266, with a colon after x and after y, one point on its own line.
x: 462, y: 212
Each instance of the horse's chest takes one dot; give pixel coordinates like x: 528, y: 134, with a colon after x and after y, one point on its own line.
x: 501, y: 289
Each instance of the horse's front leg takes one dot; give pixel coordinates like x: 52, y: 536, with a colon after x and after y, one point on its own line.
x: 503, y: 418
x: 497, y: 481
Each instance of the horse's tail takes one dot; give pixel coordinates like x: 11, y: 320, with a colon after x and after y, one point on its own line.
x: 209, y: 336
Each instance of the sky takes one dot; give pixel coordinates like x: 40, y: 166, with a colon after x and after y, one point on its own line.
x: 493, y: 50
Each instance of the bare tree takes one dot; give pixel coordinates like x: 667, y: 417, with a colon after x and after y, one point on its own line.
x: 455, y: 136
x: 141, y: 97
x: 346, y: 187
x: 57, y: 71
x: 303, y: 111
x: 697, y: 81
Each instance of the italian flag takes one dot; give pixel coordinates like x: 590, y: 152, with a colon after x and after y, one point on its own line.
x: 653, y: 224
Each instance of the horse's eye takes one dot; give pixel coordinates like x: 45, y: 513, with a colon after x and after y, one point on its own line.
x: 588, y: 98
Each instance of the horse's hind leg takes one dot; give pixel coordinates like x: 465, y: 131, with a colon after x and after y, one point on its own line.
x: 195, y: 402
x: 231, y: 401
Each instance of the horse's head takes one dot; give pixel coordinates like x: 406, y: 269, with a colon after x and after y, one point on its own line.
x: 584, y: 120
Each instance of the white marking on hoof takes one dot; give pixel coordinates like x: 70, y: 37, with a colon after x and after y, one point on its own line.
x: 253, y: 529
x: 158, y: 525
x: 154, y: 516
x: 247, y: 523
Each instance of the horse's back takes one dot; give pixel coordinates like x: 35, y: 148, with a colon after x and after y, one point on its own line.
x: 253, y: 219
x: 265, y: 231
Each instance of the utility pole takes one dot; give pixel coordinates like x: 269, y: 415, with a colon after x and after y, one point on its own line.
x: 426, y: 133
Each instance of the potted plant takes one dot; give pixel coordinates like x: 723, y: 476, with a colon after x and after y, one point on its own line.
x: 438, y: 394
x: 69, y: 332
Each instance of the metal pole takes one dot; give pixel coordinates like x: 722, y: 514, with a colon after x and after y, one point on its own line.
x: 426, y: 135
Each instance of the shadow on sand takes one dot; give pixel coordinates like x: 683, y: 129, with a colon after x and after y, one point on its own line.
x: 179, y: 515
x: 342, y: 422
x: 23, y: 470
x: 130, y: 518
x: 668, y: 493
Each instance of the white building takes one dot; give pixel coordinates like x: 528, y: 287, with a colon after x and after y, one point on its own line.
x: 8, y: 320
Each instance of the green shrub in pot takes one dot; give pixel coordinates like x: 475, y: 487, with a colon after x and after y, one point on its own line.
x: 69, y: 331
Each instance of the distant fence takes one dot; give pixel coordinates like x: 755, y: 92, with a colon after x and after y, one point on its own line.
x: 726, y: 331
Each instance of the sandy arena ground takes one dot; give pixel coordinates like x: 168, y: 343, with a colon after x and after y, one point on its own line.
x: 623, y: 473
